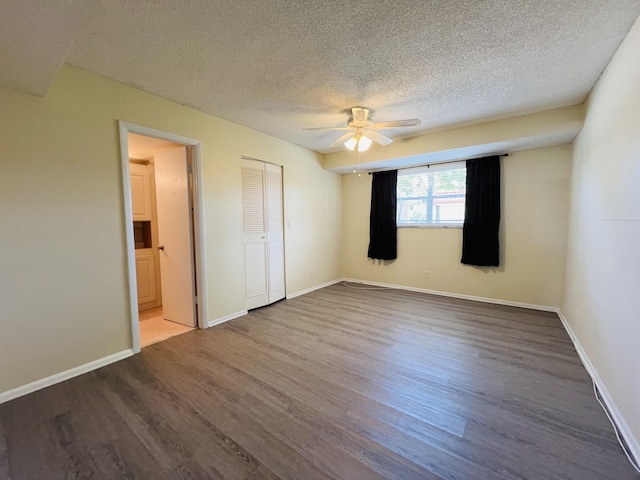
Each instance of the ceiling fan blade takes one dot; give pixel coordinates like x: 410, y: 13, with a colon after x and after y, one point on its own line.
x: 396, y: 123
x: 378, y: 137
x: 341, y: 140
x: 328, y: 128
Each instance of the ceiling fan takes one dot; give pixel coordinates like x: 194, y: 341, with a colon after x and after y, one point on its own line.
x: 362, y: 130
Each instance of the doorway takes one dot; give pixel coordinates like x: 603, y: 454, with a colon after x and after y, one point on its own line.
x: 163, y: 213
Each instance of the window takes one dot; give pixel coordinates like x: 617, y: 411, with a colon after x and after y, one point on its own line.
x: 432, y: 196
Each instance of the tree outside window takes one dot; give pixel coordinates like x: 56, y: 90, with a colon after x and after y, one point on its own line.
x: 431, y: 196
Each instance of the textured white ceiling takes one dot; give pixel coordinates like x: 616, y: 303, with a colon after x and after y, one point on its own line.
x: 35, y: 38
x: 278, y: 66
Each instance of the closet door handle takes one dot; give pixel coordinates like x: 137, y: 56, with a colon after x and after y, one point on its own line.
x: 160, y: 247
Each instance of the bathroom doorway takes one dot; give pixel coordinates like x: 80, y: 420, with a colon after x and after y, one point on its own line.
x: 165, y: 272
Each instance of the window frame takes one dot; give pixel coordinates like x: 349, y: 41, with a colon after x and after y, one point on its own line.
x: 433, y: 168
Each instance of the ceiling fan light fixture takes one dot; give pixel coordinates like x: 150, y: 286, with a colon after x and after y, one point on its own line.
x: 359, y: 141
x: 364, y: 143
x: 351, y: 143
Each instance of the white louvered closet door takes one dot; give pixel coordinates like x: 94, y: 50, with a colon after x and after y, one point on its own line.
x: 275, y: 232
x: 263, y: 232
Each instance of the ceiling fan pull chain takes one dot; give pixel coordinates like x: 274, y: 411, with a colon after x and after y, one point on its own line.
x: 356, y: 161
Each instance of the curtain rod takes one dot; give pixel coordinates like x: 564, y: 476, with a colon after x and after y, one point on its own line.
x: 438, y: 163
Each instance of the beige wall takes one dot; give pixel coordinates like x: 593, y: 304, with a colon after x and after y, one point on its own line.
x: 603, y: 266
x: 63, y: 285
x: 533, y: 237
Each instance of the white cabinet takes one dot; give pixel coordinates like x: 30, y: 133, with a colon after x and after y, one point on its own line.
x: 146, y: 276
x: 143, y: 201
x: 140, y: 192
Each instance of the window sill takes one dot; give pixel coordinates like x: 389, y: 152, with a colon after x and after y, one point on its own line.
x: 456, y: 225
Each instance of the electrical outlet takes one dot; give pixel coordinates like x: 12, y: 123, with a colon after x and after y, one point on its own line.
x: 311, y: 274
x: 426, y: 274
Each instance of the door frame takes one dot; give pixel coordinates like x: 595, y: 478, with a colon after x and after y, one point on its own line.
x: 125, y: 129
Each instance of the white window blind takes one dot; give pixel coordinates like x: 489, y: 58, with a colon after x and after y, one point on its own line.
x: 432, y: 196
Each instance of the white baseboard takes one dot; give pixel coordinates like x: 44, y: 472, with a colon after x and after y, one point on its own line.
x: 623, y: 426
x: 62, y: 376
x: 226, y: 318
x: 474, y: 298
x: 309, y: 290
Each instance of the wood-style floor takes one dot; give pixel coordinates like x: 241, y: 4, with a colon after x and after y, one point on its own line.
x: 154, y: 328
x: 339, y: 383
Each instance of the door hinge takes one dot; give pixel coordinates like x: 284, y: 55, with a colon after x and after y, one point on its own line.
x: 195, y: 299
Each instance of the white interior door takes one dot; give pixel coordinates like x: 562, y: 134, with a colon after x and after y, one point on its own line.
x: 275, y: 232
x: 255, y: 234
x: 263, y: 232
x: 175, y: 236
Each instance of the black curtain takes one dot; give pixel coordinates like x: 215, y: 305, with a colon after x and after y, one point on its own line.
x: 382, y: 228
x: 482, y: 213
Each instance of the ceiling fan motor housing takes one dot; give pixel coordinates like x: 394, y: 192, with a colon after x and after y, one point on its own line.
x: 359, y: 118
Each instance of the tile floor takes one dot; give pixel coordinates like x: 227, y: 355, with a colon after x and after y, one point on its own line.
x: 154, y: 328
